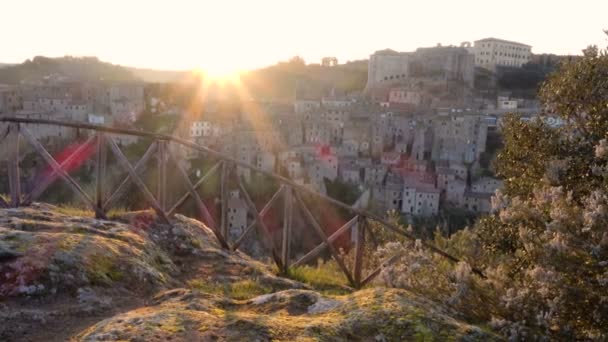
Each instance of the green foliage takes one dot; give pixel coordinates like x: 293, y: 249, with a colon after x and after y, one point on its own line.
x: 325, y: 276
x: 528, y: 147
x: 261, y: 187
x: 344, y: 192
x: 154, y: 123
x: 533, y: 151
x: 547, y: 247
x: 528, y: 78
x: 487, y: 160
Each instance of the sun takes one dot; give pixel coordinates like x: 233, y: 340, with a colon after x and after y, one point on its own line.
x: 220, y: 74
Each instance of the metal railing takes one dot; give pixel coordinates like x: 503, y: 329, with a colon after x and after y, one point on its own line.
x: 290, y: 191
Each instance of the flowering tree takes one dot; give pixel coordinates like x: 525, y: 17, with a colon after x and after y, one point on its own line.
x: 545, y: 249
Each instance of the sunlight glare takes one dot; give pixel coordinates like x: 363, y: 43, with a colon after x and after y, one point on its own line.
x: 220, y: 74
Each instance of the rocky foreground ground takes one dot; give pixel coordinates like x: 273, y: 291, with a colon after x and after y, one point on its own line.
x: 64, y: 277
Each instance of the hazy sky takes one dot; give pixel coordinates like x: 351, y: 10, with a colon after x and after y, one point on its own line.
x: 229, y: 34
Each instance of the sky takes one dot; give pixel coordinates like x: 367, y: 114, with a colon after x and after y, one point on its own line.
x: 229, y: 35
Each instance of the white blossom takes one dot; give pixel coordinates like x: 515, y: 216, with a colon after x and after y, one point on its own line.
x: 601, y: 149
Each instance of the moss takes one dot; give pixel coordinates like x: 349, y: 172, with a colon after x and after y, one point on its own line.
x: 103, y: 270
x: 23, y: 246
x: 325, y: 277
x: 244, y: 289
x: 196, y: 243
x: 74, y: 211
x: 423, y: 333
x: 115, y: 213
x: 172, y: 325
x: 10, y: 237
x: 68, y: 243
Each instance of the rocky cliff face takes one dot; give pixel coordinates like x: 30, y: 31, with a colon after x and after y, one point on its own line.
x: 63, y: 277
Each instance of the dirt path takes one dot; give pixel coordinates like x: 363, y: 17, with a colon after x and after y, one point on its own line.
x: 56, y: 319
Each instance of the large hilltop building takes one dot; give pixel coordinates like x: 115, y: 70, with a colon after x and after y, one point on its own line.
x: 446, y: 63
x: 493, y: 52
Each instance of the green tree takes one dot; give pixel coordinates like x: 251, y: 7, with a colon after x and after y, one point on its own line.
x: 528, y: 147
x: 547, y: 245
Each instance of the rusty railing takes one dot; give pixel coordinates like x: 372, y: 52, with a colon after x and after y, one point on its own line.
x: 102, y: 141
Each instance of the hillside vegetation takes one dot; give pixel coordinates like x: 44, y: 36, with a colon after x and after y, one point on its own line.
x: 73, y: 68
x: 285, y: 79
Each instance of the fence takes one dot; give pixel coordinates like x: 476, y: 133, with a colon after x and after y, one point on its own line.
x: 103, y: 140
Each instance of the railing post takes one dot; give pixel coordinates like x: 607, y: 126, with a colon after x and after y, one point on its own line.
x: 162, y: 175
x: 14, y: 176
x: 286, y: 236
x: 99, y: 173
x: 359, y: 245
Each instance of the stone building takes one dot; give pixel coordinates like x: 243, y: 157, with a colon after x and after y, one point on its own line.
x: 491, y: 53
x: 486, y: 185
x: 236, y: 216
x: 420, y: 199
x: 317, y: 132
x: 454, y: 191
x: 374, y: 174
x: 448, y: 63
x: 11, y: 100
x: 444, y: 176
x: 320, y: 168
x: 477, y: 202
x: 245, y: 153
x: 393, y: 192
x: 303, y: 106
x: 459, y: 138
x: 350, y: 173
x: 124, y: 101
x: 266, y: 161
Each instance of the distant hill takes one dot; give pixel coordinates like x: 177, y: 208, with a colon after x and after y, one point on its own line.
x: 5, y: 65
x: 158, y: 76
x: 72, y: 68
x: 280, y: 81
x: 284, y: 79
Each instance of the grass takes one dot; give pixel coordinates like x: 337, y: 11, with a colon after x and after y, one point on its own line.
x: 103, y: 270
x: 86, y: 212
x: 326, y: 277
x: 244, y: 289
x: 75, y: 211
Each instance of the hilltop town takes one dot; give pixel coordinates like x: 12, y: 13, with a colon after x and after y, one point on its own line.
x: 452, y: 192
x: 419, y: 137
